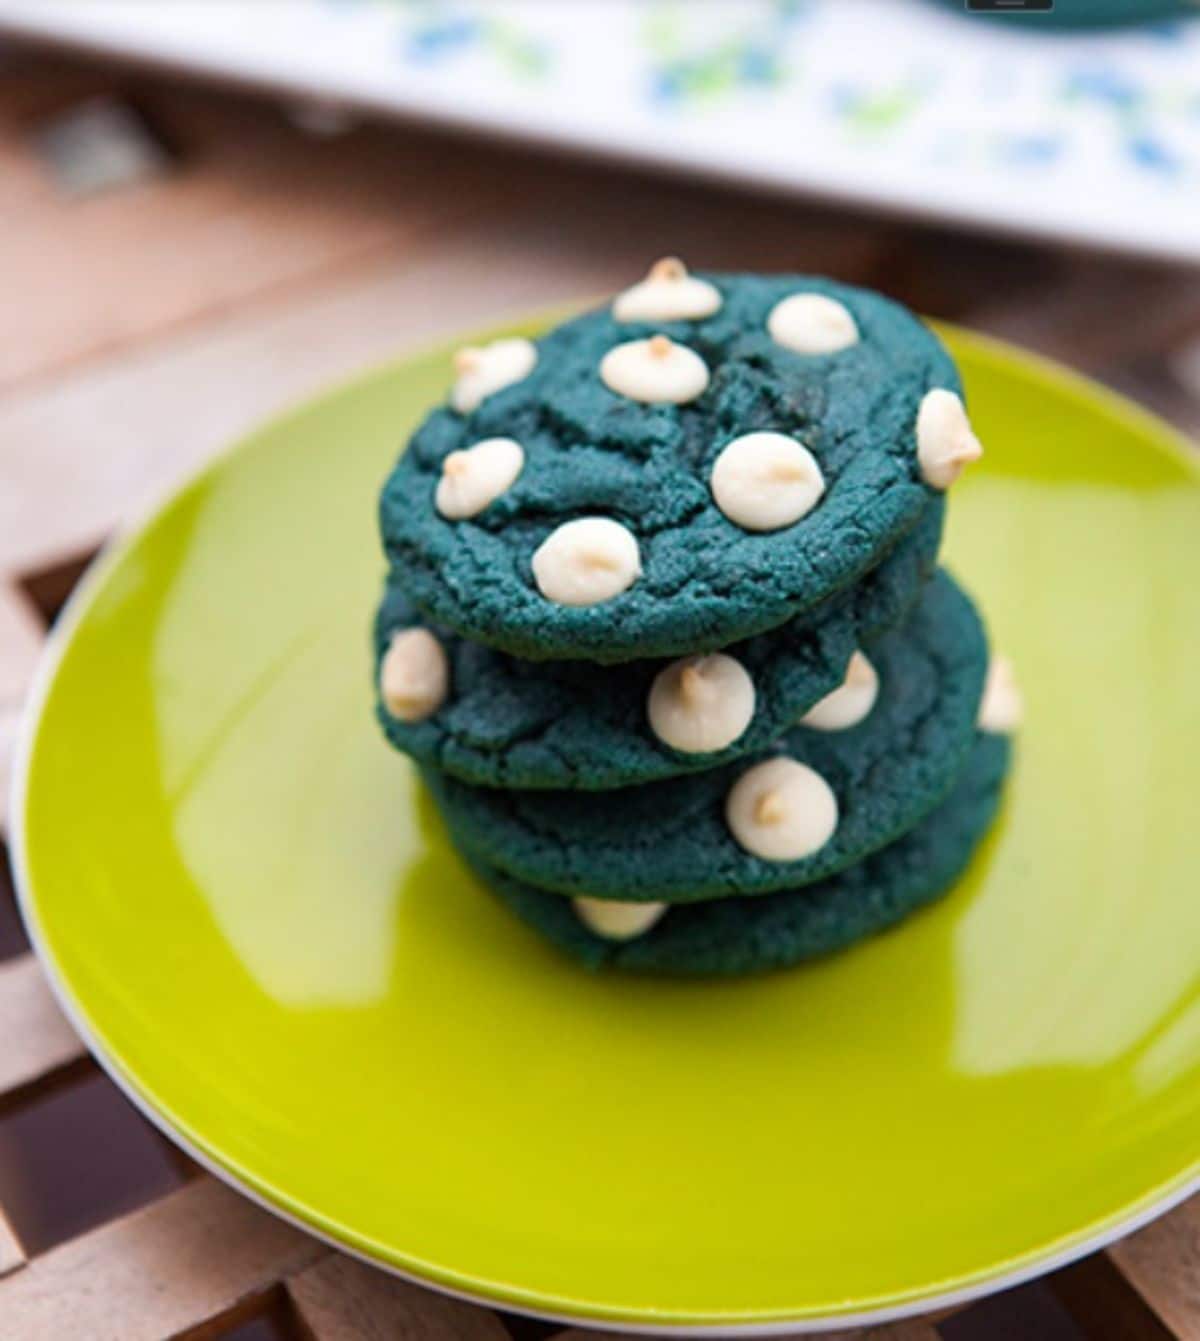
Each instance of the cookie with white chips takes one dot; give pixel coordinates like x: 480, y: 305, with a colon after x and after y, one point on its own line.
x: 702, y: 460
x: 817, y: 801
x: 506, y: 722
x: 733, y: 935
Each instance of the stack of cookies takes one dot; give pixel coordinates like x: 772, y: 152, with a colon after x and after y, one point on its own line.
x: 665, y: 632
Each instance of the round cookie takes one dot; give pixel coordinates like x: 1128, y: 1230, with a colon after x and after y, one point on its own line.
x: 507, y: 722
x: 674, y: 575
x: 695, y: 837
x: 733, y: 936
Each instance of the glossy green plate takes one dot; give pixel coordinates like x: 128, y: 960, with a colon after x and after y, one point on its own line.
x: 255, y: 919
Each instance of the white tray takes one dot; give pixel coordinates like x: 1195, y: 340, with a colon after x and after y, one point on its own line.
x: 897, y: 104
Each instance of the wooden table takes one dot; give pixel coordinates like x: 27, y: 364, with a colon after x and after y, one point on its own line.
x: 146, y: 327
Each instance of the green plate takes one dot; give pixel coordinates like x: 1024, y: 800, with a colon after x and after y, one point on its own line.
x: 254, y: 917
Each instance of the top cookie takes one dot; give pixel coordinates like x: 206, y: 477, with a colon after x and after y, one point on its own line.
x: 698, y: 463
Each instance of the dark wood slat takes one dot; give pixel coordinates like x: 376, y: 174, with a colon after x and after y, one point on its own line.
x: 38, y: 1041
x: 161, y: 1273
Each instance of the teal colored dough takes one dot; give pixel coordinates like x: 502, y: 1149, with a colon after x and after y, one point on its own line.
x: 705, y: 582
x: 733, y: 936
x: 669, y: 840
x: 574, y: 725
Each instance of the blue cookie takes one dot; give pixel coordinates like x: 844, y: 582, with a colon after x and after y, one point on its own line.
x: 733, y: 469
x: 574, y: 725
x: 734, y: 936
x: 816, y: 802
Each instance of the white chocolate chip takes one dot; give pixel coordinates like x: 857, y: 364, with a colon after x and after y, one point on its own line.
x: 415, y: 675
x: 668, y: 293
x: 763, y: 481
x: 849, y: 704
x: 615, y: 919
x: 1002, y: 707
x: 477, y: 476
x: 586, y: 561
x: 656, y: 371
x: 701, y: 704
x: 483, y: 370
x: 781, y: 810
x: 810, y: 323
x: 945, y: 442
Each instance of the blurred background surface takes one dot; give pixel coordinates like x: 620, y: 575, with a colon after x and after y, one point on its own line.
x: 208, y: 211
x: 1019, y: 124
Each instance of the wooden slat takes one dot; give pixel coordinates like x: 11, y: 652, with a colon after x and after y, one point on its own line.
x: 10, y: 723
x: 82, y: 451
x: 157, y: 1274
x: 256, y: 207
x: 1080, y: 318
x: 914, y: 1329
x: 21, y: 637
x: 11, y: 1254
x: 252, y: 205
x: 1161, y: 1264
x: 1182, y: 379
x: 342, y: 1300
x: 1152, y: 383
x: 37, y: 1038
x: 1185, y: 363
x: 328, y: 256
x: 31, y: 90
